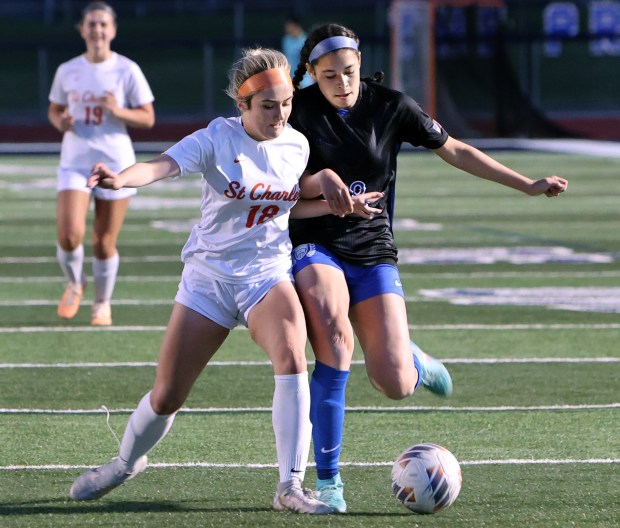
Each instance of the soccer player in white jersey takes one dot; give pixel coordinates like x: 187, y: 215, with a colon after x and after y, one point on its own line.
x: 237, y: 271
x: 93, y: 99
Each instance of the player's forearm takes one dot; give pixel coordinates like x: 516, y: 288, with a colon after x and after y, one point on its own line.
x: 141, y: 117
x: 477, y: 163
x: 144, y: 173
x: 310, y: 208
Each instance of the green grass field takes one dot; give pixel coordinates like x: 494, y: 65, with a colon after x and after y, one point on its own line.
x: 519, y: 295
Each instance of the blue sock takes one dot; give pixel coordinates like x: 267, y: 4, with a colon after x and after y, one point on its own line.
x: 327, y: 399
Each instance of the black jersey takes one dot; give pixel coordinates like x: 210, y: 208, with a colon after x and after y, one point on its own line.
x: 361, y: 146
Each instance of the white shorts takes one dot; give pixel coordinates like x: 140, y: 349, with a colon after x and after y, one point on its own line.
x: 75, y: 180
x: 228, y: 304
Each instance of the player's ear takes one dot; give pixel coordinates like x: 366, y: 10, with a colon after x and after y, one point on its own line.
x: 242, y: 106
x: 310, y: 70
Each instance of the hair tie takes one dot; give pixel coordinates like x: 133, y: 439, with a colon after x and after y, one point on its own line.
x: 262, y: 80
x: 331, y: 44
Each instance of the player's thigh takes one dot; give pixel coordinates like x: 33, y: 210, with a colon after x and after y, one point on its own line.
x: 381, y: 326
x: 324, y: 296
x: 71, y: 211
x: 190, y: 341
x: 277, y: 325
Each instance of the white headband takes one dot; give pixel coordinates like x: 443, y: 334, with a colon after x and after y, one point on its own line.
x: 331, y: 44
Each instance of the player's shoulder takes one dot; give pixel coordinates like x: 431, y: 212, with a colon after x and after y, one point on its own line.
x: 73, y: 63
x: 291, y: 136
x: 381, y: 92
x: 125, y: 62
x: 223, y: 126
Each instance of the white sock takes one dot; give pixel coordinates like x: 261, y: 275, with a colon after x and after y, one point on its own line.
x: 291, y: 424
x: 144, y: 431
x: 104, y: 275
x: 71, y: 263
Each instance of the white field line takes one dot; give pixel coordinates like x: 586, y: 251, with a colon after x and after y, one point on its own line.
x: 370, y: 409
x: 404, y: 275
x: 117, y: 302
x: 120, y: 278
x: 51, y: 260
x: 453, y: 361
x: 206, y: 465
x: 487, y: 327
x: 510, y: 274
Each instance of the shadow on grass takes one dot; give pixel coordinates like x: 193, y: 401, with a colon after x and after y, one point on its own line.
x: 64, y: 507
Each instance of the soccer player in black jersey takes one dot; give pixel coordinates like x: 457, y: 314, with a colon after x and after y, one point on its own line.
x: 345, y: 266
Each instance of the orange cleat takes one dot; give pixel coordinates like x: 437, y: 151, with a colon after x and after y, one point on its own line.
x: 70, y: 302
x: 101, y: 315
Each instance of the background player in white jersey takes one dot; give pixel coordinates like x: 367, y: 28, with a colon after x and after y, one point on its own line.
x: 93, y: 99
x: 237, y: 270
x: 346, y: 266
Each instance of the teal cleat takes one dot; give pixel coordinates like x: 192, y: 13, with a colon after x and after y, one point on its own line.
x: 435, y: 376
x: 331, y: 492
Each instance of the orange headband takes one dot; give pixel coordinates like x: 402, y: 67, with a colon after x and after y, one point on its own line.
x: 262, y: 80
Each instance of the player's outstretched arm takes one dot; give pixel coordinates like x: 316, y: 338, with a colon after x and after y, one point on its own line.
x: 318, y: 207
x: 477, y: 163
x: 137, y: 175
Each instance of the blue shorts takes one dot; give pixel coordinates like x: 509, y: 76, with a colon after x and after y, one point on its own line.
x: 363, y: 282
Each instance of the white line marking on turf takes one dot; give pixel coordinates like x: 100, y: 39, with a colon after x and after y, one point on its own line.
x: 120, y: 278
x: 491, y: 327
x: 409, y: 409
x: 206, y: 465
x: 51, y: 260
x: 404, y: 275
x: 117, y: 302
x: 509, y: 274
x: 453, y: 361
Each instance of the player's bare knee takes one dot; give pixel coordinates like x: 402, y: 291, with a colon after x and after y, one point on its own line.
x: 165, y: 405
x: 291, y: 363
x: 398, y: 389
x: 71, y: 240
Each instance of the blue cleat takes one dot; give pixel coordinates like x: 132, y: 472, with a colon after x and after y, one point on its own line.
x: 435, y: 376
x: 331, y: 492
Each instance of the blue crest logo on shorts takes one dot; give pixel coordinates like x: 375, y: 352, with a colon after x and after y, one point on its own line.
x: 357, y: 188
x: 303, y: 250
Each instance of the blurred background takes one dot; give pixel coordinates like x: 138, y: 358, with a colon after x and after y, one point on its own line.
x: 486, y: 68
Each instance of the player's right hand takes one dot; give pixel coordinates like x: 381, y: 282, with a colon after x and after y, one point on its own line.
x: 66, y: 121
x: 336, y: 193
x: 101, y: 175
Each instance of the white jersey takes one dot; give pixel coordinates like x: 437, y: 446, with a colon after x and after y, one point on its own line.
x: 96, y: 135
x: 248, y: 189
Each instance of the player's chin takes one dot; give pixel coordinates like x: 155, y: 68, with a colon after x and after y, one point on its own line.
x: 273, y: 131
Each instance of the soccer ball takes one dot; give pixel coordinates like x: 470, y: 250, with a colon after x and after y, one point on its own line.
x: 426, y: 478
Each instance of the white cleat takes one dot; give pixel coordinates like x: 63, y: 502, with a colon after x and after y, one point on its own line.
x: 95, y: 483
x: 292, y: 497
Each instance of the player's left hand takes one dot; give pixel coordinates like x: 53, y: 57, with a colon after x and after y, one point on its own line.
x: 550, y: 187
x: 108, y: 101
x: 101, y: 175
x: 362, y: 204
